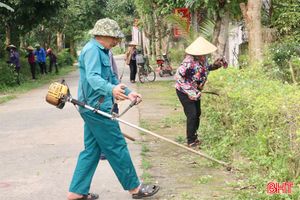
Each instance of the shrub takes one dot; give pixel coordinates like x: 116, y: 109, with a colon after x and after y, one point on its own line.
x: 255, y: 124
x: 283, y: 57
x: 176, y: 56
x: 118, y: 50
x: 64, y: 58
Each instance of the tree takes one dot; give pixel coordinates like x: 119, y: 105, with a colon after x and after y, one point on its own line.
x: 27, y: 15
x: 252, y: 16
x: 122, y: 11
x: 152, y: 14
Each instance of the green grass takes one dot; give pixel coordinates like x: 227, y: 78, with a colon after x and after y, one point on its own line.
x: 250, y: 124
x: 146, y: 164
x: 186, y: 196
x: 203, y: 179
x: 9, y: 93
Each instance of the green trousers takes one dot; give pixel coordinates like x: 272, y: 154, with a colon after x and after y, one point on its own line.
x: 103, y: 135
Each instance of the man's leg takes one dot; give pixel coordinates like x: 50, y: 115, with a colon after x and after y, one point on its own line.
x: 56, y: 68
x: 32, y: 69
x: 86, y: 164
x: 45, y: 67
x: 50, y: 66
x: 41, y: 68
x: 112, y: 143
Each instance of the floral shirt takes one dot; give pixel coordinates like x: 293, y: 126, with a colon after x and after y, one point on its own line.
x: 191, y: 76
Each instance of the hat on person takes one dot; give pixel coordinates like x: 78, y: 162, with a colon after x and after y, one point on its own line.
x: 107, y: 27
x: 133, y: 43
x: 200, y: 47
x: 37, y: 45
x: 12, y: 46
x: 30, y: 48
x: 49, y: 50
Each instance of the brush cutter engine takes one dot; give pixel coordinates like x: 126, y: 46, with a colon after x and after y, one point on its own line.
x: 57, y: 94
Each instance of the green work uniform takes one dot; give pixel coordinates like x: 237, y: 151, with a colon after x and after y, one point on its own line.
x: 101, y: 134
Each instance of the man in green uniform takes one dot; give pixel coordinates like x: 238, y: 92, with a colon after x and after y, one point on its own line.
x: 99, y: 87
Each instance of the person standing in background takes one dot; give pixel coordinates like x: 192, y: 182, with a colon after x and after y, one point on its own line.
x: 31, y: 61
x: 52, y: 60
x: 131, y: 60
x: 14, y: 59
x: 41, y: 58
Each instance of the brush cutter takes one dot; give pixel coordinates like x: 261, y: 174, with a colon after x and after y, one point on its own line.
x: 58, y: 94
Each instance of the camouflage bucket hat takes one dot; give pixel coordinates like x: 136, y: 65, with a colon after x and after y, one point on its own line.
x: 107, y: 27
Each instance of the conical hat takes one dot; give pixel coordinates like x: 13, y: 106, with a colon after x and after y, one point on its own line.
x: 133, y: 43
x: 30, y: 48
x: 200, y: 47
x: 12, y: 46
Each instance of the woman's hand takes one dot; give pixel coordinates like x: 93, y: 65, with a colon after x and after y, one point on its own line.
x: 219, y: 63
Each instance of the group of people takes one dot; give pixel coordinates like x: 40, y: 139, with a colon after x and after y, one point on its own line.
x: 99, y: 87
x: 37, y: 55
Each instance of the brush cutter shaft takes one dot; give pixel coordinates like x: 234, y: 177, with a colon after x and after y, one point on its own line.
x: 74, y: 101
x: 171, y: 141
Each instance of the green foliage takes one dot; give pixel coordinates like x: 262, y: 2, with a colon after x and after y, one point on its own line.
x: 29, y: 13
x: 286, y: 19
x: 279, y: 57
x: 204, y: 179
x: 118, y: 50
x: 189, y: 34
x: 7, y: 77
x: 64, y: 58
x: 282, y: 53
x: 250, y: 125
x: 124, y: 12
x: 177, y: 55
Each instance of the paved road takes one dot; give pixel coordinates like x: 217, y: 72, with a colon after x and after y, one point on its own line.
x: 39, y: 145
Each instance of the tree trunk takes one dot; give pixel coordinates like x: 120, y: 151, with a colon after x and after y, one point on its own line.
x: 217, y: 30
x: 195, y: 20
x: 7, y: 35
x: 156, y: 35
x: 72, y: 47
x: 252, y: 16
x: 59, y: 40
x: 22, y: 44
x: 153, y: 47
x: 292, y: 73
x: 222, y: 37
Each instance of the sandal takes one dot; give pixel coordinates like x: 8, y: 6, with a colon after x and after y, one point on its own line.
x: 89, y: 196
x: 195, y: 143
x: 146, y: 191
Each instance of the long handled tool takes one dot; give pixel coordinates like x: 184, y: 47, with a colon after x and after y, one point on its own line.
x: 59, y: 93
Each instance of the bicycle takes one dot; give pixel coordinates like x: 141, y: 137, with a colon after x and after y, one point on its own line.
x: 145, y: 71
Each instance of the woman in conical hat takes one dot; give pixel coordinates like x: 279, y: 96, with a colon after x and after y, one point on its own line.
x: 191, y: 77
x: 31, y: 61
x: 131, y: 60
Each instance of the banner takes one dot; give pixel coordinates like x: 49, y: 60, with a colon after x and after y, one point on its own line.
x: 185, y: 15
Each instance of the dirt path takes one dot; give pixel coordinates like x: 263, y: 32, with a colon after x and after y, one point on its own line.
x: 181, y: 174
